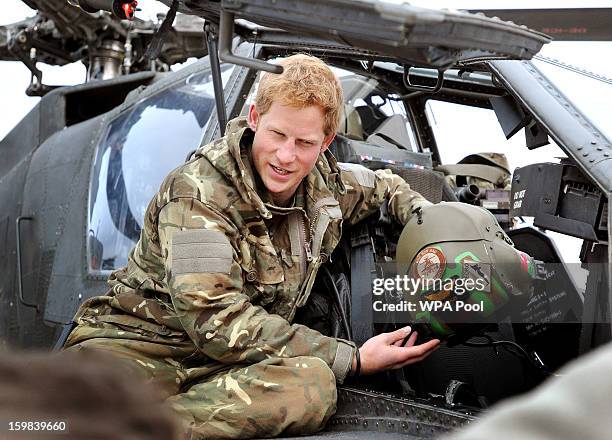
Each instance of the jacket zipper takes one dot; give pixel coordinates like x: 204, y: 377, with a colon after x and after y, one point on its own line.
x: 303, y: 261
x: 308, y: 235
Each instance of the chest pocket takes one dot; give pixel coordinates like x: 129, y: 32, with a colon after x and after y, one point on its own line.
x: 262, y: 270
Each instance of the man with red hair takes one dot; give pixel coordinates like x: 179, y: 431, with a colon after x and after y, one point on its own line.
x: 229, y: 251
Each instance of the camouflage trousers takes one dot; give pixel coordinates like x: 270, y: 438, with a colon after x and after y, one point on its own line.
x: 292, y: 396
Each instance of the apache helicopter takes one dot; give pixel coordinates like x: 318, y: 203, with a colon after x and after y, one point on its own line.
x: 88, y: 158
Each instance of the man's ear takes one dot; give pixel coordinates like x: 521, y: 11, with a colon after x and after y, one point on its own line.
x: 327, y: 141
x: 253, y: 118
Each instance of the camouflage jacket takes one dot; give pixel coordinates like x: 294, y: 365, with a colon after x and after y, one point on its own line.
x: 217, y: 260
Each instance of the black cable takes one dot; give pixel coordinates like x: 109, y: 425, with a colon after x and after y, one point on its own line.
x: 492, y: 342
x: 520, y: 351
x: 345, y: 323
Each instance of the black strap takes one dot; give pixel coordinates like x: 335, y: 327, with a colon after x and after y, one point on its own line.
x: 362, y: 271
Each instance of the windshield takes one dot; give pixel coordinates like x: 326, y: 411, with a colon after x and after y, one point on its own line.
x: 141, y: 146
x: 591, y: 93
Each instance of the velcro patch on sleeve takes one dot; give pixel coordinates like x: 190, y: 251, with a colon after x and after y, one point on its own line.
x: 201, y: 251
x: 365, y: 177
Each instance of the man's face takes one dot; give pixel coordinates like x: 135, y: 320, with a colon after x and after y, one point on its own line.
x: 286, y: 146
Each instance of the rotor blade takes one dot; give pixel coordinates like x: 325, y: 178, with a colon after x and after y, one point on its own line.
x: 574, y: 24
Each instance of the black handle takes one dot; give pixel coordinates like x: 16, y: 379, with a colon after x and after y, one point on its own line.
x: 19, y: 276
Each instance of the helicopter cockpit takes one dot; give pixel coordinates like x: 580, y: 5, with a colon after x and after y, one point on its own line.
x: 415, y: 103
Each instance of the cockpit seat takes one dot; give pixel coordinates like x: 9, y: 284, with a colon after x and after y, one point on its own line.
x: 392, y: 133
x: 350, y: 124
x: 429, y: 183
x: 390, y: 147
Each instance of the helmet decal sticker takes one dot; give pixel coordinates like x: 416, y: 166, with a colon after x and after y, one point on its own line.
x: 430, y: 263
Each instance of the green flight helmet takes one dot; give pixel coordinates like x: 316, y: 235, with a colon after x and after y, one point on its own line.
x: 450, y: 243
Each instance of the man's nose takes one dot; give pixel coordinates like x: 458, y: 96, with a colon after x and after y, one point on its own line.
x: 286, y: 151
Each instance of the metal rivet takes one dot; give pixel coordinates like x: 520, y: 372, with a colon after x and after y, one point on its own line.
x: 592, y: 160
x: 585, y: 154
x: 579, y: 148
x: 599, y: 149
x: 607, y: 154
x: 251, y: 276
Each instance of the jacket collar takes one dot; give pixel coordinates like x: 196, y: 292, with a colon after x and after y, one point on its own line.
x: 231, y: 156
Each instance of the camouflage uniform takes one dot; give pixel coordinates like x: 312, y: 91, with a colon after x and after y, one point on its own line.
x: 204, y: 306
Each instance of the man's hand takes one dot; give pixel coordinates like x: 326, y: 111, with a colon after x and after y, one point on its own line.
x: 385, y: 351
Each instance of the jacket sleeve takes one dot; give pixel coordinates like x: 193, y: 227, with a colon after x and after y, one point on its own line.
x: 202, y: 252
x: 366, y: 190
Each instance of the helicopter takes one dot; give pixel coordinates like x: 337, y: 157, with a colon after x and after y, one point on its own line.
x: 88, y: 158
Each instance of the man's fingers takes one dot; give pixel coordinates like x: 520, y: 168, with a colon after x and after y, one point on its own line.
x: 412, y: 339
x: 384, y: 352
x: 419, y: 353
x: 409, y: 341
x: 416, y: 351
x: 397, y: 335
x: 427, y: 346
